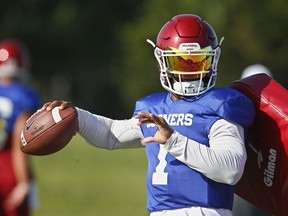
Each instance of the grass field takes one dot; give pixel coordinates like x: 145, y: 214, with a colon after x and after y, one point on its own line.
x: 81, y: 180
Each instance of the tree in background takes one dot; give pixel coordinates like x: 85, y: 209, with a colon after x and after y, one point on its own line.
x: 254, y: 32
x: 92, y: 52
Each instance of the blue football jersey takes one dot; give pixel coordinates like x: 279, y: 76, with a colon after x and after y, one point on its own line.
x: 14, y: 99
x: 170, y: 183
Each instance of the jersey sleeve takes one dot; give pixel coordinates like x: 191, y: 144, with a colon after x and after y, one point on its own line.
x: 234, y: 106
x: 237, y: 108
x: 223, y: 161
x: 108, y: 133
x: 155, y: 99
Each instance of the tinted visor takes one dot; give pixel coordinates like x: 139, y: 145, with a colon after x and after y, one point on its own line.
x: 194, y: 63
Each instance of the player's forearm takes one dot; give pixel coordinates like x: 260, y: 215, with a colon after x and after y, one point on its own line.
x: 20, y: 160
x: 223, y: 161
x: 107, y: 133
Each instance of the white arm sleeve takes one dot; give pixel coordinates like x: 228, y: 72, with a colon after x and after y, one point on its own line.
x: 107, y: 133
x: 223, y: 161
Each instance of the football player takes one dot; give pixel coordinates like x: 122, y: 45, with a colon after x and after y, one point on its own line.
x: 193, y: 132
x: 17, y: 103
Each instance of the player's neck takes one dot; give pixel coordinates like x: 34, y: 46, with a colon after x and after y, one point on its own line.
x: 176, y: 97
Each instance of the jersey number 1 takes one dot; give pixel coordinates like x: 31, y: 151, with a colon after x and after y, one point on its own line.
x: 160, y: 177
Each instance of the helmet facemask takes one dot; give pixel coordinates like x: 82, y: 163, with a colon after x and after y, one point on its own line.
x: 188, y: 70
x: 11, y: 69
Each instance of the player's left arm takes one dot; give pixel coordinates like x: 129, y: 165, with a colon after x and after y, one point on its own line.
x: 223, y: 161
x: 20, y: 164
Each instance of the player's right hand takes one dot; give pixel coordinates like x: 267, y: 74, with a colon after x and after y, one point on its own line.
x: 62, y: 105
x: 164, y: 131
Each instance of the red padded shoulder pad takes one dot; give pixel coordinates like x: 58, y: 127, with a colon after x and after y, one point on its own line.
x: 265, y: 179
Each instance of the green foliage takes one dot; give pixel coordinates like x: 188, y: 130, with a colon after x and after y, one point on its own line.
x: 101, y: 49
x: 255, y: 32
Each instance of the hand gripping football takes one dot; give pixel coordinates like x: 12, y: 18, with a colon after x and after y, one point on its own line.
x: 47, y: 132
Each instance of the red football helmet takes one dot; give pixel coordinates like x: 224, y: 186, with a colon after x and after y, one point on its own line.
x: 187, y: 51
x: 14, y: 58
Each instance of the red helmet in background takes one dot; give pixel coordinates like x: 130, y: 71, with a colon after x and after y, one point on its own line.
x: 14, y: 59
x: 187, y: 51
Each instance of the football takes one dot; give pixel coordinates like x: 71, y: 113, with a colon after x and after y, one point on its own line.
x: 47, y: 132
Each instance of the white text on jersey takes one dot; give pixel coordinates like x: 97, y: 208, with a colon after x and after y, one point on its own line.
x: 176, y: 119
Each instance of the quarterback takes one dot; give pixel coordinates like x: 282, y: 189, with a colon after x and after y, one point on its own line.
x: 193, y: 132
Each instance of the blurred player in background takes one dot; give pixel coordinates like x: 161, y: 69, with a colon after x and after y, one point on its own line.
x: 193, y: 132
x: 17, y: 103
x: 241, y: 206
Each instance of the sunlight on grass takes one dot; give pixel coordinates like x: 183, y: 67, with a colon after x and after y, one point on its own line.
x: 83, y: 180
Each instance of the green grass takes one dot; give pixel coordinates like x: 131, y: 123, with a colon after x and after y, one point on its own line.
x: 81, y: 180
